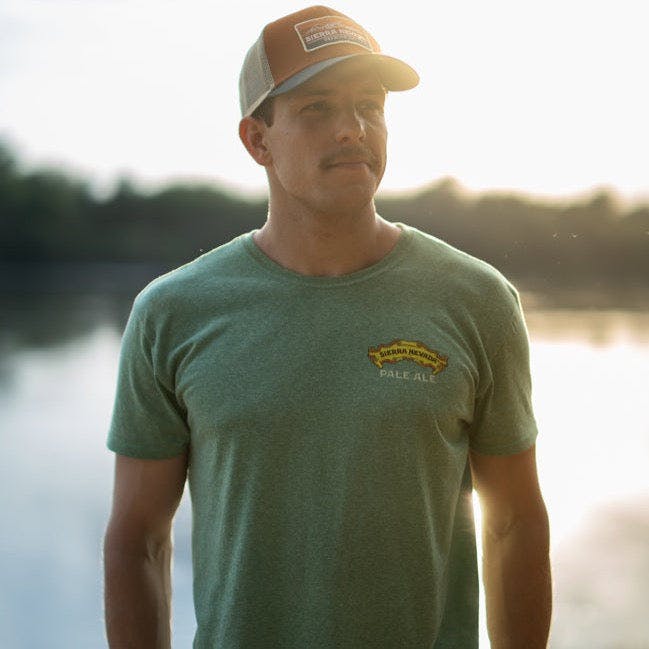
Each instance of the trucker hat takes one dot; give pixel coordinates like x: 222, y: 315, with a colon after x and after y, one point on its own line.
x: 292, y: 49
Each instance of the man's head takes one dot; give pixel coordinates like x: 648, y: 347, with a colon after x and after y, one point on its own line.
x: 312, y: 93
x: 292, y: 49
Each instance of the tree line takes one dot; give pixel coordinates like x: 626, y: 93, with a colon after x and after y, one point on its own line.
x: 47, y: 216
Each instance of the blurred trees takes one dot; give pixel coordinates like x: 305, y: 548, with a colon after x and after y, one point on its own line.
x: 592, y: 241
x: 46, y: 217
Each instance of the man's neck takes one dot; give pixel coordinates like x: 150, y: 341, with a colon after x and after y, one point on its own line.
x: 326, y: 245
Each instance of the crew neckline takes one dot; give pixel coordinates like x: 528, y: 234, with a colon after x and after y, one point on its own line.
x: 280, y: 272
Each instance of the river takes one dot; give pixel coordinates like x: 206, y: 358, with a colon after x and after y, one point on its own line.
x: 57, y: 372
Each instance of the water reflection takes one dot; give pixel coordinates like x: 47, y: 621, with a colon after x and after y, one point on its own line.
x: 601, y: 583
x: 55, y: 481
x: 44, y: 320
x: 595, y: 327
x: 591, y: 373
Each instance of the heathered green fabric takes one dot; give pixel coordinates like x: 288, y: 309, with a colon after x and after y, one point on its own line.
x: 331, y: 495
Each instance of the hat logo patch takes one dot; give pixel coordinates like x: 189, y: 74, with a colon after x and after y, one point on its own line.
x: 330, y: 30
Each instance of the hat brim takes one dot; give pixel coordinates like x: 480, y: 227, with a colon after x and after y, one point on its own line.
x: 395, y: 75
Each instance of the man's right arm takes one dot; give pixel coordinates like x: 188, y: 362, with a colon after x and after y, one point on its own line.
x: 137, y: 551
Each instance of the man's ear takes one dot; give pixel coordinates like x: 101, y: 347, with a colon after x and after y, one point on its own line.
x: 252, y: 133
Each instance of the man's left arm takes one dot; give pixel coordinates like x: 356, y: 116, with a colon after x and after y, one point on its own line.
x: 515, y: 545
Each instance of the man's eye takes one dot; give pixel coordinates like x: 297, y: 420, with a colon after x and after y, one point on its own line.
x: 372, y: 106
x: 317, y: 107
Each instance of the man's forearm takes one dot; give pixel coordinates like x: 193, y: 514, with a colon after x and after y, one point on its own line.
x: 516, y: 571
x: 137, y: 596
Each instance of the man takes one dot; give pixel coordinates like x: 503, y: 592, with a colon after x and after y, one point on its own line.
x: 332, y: 385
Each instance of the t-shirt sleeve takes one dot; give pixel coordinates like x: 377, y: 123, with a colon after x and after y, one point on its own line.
x: 147, y: 421
x: 504, y: 422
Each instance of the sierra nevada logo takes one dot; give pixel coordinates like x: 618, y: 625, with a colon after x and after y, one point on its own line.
x: 407, y: 350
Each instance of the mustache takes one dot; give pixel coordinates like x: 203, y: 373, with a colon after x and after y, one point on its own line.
x: 355, y: 153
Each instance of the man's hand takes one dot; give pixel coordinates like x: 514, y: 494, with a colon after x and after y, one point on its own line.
x: 137, y: 551
x: 515, y: 540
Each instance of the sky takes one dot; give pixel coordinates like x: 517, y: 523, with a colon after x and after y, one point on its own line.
x: 547, y: 98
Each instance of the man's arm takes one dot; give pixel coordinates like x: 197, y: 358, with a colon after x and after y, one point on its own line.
x: 137, y: 551
x: 515, y: 540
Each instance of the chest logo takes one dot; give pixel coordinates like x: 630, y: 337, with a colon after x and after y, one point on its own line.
x: 408, y: 350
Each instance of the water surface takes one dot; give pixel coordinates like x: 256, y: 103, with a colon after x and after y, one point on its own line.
x: 57, y: 375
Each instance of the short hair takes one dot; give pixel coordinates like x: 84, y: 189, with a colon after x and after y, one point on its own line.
x: 264, y: 111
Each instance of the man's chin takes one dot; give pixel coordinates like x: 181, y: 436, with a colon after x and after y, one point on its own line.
x: 349, y: 198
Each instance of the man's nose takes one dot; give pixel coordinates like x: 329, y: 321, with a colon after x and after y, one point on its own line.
x: 350, y: 125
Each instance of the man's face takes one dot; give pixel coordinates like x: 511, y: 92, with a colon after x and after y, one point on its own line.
x: 327, y: 142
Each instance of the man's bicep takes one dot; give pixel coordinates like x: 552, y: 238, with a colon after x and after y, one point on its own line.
x: 507, y: 485
x: 146, y: 495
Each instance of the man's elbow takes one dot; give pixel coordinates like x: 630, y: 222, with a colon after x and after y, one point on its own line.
x: 127, y: 543
x: 531, y: 522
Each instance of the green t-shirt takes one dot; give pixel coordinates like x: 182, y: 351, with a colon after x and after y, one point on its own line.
x: 328, y: 422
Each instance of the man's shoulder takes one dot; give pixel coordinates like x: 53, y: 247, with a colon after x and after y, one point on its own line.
x: 207, y: 274
x: 468, y: 289
x: 454, y: 267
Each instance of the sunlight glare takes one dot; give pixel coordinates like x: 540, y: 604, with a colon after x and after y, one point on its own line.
x: 154, y: 94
